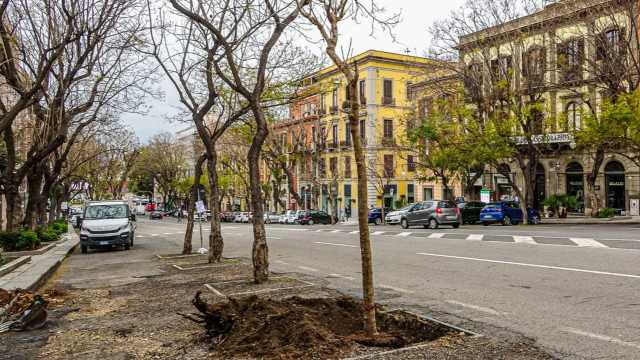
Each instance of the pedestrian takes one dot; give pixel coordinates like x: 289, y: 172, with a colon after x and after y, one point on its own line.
x: 180, y: 215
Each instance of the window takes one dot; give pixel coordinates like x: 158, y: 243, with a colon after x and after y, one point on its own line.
x: 570, y: 58
x: 609, y: 44
x: 387, y: 97
x: 322, y: 164
x: 347, y: 133
x: 323, y: 135
x: 363, y: 131
x: 502, y: 68
x: 388, y: 129
x: 411, y: 197
x: 347, y: 167
x: 533, y: 65
x: 427, y: 193
x: 408, y: 85
x: 362, y: 88
x: 314, y: 137
x: 335, y: 135
x: 333, y: 166
x: 334, y: 101
x: 473, y: 79
x: 574, y: 120
x: 424, y: 108
x: 322, y: 104
x: 411, y: 163
x: 388, y: 166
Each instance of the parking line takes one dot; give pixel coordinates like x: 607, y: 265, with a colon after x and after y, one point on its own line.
x: 333, y: 244
x: 436, y: 235
x: 533, y: 265
x: 404, y: 234
x: 396, y: 289
x: 475, y: 237
x: 587, y: 242
x: 308, y: 268
x: 355, y: 232
x: 341, y: 276
x: 377, y: 233
x: 474, y: 307
x: 335, y: 231
x: 602, y: 337
x: 524, y: 240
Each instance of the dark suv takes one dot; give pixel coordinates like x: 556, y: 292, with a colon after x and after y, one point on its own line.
x: 432, y: 214
x: 310, y: 217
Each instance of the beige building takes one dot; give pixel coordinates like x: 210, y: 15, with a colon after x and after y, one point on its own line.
x: 569, y: 53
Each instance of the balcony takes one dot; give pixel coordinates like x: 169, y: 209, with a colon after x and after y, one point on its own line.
x: 363, y: 101
x: 345, y: 144
x: 333, y: 110
x: 322, y: 112
x: 388, y: 141
x: 388, y: 101
x: 332, y: 145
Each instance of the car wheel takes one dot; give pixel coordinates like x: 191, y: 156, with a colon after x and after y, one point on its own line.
x: 506, y: 221
x: 378, y: 221
x: 127, y: 246
x: 485, y: 223
x: 535, y: 220
x: 133, y: 235
x: 83, y: 249
x: 433, y: 224
x: 456, y: 225
x: 310, y: 222
x: 404, y: 223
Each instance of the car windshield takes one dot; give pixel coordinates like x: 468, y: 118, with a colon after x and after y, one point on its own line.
x: 97, y: 212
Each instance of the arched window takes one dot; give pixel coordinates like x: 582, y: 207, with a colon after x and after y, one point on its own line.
x: 574, y: 116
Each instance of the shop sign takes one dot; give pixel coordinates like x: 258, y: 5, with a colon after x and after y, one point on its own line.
x: 485, y: 195
x: 616, y: 183
x: 553, y: 138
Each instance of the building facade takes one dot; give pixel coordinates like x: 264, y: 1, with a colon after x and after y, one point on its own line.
x: 569, y: 53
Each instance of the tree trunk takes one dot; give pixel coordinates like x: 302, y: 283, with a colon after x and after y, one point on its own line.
x: 260, y: 251
x: 592, y: 178
x: 13, y: 209
x: 187, y: 247
x: 216, y: 242
x: 363, y: 211
x: 34, y: 182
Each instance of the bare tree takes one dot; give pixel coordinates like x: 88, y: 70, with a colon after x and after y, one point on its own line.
x: 326, y: 16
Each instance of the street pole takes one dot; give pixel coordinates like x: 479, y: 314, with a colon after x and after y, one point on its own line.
x: 202, y: 250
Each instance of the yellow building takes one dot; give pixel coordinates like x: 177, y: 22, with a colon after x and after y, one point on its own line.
x: 384, y: 86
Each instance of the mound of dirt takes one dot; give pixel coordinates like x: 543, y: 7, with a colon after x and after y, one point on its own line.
x: 25, y: 298
x: 296, y: 328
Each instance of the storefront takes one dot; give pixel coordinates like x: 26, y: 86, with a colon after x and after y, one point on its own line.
x: 540, y: 191
x: 575, y: 184
x: 615, y: 185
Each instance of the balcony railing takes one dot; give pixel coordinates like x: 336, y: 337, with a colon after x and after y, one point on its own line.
x: 388, y: 141
x: 333, y: 110
x: 390, y: 101
x: 345, y: 144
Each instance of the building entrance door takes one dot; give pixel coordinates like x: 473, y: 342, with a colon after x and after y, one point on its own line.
x: 540, y: 192
x: 615, y: 185
x: 575, y: 184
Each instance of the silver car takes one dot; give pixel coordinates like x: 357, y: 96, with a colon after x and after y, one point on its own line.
x: 432, y: 214
x: 395, y: 216
x: 107, y: 224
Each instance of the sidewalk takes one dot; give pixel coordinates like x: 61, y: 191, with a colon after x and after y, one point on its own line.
x: 32, y: 274
x: 589, y: 220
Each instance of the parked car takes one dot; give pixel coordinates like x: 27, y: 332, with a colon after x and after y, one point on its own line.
x: 395, y: 216
x: 432, y: 214
x: 271, y: 217
x: 156, y: 215
x: 150, y: 207
x: 375, y: 215
x: 507, y: 213
x: 284, y: 218
x: 471, y: 211
x: 242, y: 217
x: 107, y: 224
x: 292, y: 217
x: 310, y: 217
x: 228, y: 216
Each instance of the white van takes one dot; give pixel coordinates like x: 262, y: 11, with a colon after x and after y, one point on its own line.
x: 107, y: 224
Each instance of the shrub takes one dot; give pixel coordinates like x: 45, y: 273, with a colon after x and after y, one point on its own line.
x: 27, y: 240
x: 9, y: 240
x: 48, y: 235
x: 59, y: 227
x: 606, y: 213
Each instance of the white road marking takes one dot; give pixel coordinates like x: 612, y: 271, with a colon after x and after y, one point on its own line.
x: 389, y: 352
x: 333, y: 244
x: 319, y: 230
x: 154, y: 234
x: 396, y: 289
x: 355, y: 232
x: 281, y: 262
x: 474, y: 307
x: 274, y: 237
x: 308, y: 268
x: 335, y: 231
x: 534, y: 265
x: 524, y: 240
x: 475, y: 237
x: 341, y: 276
x: 587, y: 242
x: 377, y: 233
x: 602, y: 337
x: 404, y: 234
x: 287, y: 229
x: 139, y: 236
x: 436, y: 235
x: 168, y: 234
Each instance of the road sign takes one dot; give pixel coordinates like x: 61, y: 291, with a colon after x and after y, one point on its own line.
x: 200, y: 207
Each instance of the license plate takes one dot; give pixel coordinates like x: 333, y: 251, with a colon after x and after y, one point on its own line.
x: 104, y: 243
x: 488, y: 217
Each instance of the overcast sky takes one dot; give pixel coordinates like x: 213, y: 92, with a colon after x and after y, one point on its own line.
x: 411, y: 35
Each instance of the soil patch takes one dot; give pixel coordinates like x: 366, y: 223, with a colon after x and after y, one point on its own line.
x: 53, y: 297
x: 295, y: 327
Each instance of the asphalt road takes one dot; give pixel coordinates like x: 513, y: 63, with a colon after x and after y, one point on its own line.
x: 574, y: 289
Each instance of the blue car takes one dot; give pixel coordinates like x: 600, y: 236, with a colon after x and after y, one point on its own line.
x: 375, y: 215
x: 506, y: 213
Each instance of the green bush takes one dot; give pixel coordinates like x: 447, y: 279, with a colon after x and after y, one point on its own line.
x: 9, y: 240
x: 59, y: 227
x: 606, y: 213
x: 48, y: 235
x: 27, y: 240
